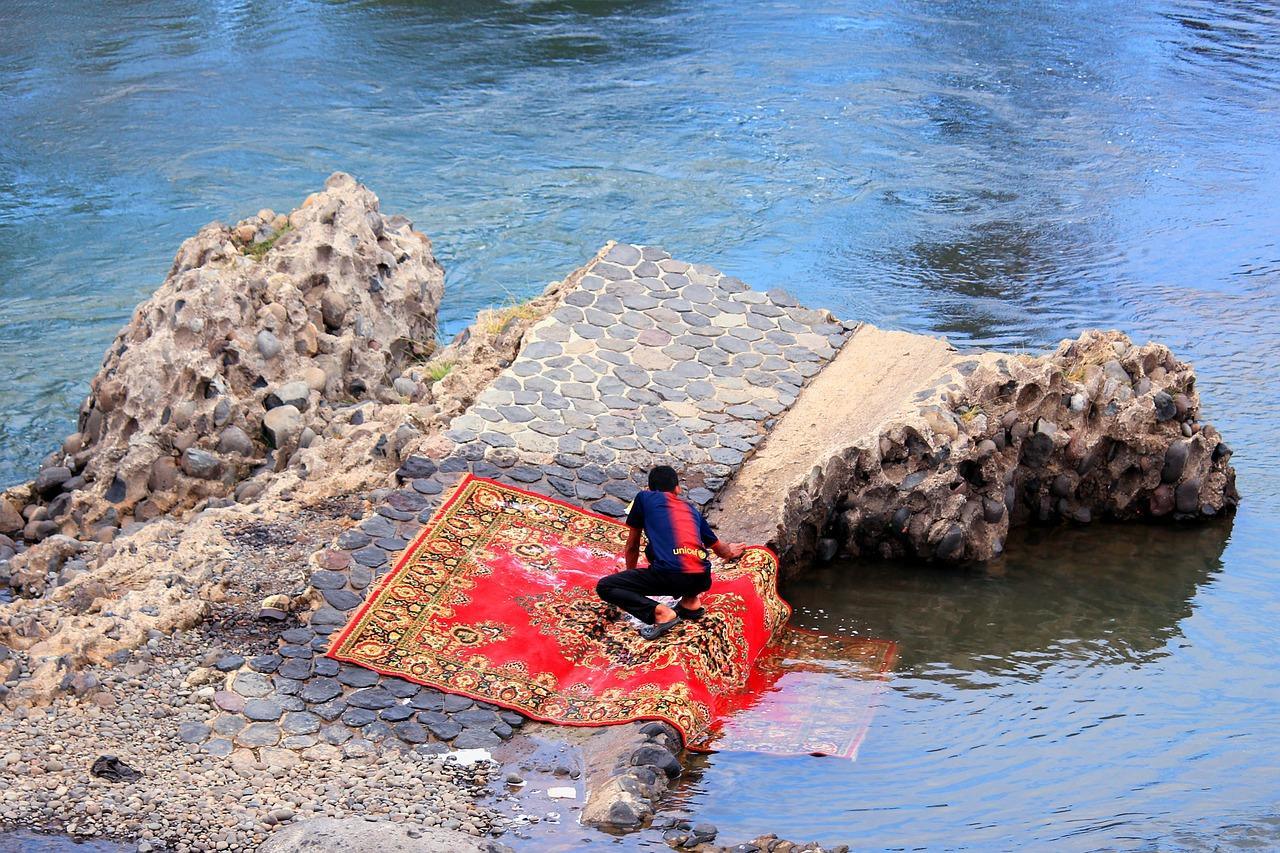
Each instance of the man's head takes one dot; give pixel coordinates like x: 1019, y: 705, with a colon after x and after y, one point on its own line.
x: 663, y: 478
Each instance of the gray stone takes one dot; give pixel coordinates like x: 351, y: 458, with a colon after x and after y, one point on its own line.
x: 624, y: 254
x: 355, y: 676
x: 295, y: 669
x: 374, y: 698
x: 358, y: 717
x: 258, y: 734
x: 323, y: 579
x: 320, y: 690
x: 235, y: 440
x: 336, y: 734
x: 396, y: 713
x: 228, y: 724
x: 192, y: 732
x: 342, y: 599
x: 263, y: 710
x: 371, y: 556
x: 300, y: 723
x: 282, y: 425
x: 218, y: 747
x: 200, y: 464
x: 330, y: 710
x: 352, y: 539
x: 268, y: 344
x: 476, y: 739
x: 252, y: 684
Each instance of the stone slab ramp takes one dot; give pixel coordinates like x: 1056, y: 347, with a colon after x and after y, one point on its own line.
x: 876, y: 375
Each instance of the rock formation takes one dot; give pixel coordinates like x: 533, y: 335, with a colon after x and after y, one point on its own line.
x: 1098, y: 429
x: 258, y: 330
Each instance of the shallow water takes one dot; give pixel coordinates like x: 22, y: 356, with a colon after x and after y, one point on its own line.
x: 1005, y: 173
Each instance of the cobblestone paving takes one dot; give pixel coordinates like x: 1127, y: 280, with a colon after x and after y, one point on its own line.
x: 647, y: 360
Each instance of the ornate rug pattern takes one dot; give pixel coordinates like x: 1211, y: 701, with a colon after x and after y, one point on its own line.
x: 495, y: 600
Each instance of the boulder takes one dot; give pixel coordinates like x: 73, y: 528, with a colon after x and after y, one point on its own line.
x: 235, y: 322
x: 1099, y: 429
x: 282, y: 425
x: 11, y: 521
x: 201, y: 464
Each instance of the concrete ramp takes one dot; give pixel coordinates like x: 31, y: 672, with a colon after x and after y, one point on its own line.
x: 875, y: 377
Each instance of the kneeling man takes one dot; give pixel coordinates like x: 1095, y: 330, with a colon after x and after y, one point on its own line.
x: 678, y: 538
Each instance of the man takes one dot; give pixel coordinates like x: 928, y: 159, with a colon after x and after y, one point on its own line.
x: 678, y: 538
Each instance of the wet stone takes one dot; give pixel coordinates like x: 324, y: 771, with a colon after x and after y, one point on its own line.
x: 295, y: 669
x: 342, y: 599
x: 360, y: 577
x: 396, y: 713
x: 320, y: 690
x: 371, y: 557
x: 353, y: 539
x: 444, y: 729
x: 358, y: 717
x: 374, y: 698
x: 265, y: 663
x: 330, y: 710
x: 356, y: 676
x: 377, y: 731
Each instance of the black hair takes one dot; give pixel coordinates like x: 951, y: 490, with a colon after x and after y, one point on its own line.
x: 663, y: 478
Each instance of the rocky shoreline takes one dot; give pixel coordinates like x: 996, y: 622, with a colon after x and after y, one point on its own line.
x: 277, y: 422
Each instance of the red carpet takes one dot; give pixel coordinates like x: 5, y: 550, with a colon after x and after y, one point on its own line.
x: 809, y: 694
x: 495, y: 600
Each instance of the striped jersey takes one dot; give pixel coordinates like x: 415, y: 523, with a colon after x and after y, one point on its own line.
x: 678, y: 536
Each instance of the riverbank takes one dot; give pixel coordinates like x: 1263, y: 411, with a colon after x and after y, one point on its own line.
x: 295, y: 417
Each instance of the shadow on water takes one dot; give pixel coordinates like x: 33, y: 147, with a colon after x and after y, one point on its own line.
x: 1107, y: 594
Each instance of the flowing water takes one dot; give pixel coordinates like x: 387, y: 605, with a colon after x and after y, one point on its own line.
x: 1005, y: 173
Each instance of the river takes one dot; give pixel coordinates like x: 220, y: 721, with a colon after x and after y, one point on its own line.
x: 1004, y: 173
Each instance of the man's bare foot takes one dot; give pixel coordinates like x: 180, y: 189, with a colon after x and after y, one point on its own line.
x: 662, y: 613
x: 691, y: 602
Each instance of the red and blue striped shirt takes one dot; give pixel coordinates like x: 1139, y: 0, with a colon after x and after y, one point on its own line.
x: 679, y: 537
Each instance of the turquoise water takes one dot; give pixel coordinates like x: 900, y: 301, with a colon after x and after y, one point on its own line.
x: 1004, y: 173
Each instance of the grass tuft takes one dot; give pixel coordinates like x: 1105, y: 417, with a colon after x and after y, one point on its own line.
x: 259, y: 250
x: 439, y: 370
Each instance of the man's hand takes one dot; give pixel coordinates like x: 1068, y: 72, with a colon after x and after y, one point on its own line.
x: 730, y: 551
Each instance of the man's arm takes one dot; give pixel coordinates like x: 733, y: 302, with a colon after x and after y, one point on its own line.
x: 632, y: 552
x: 730, y: 551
